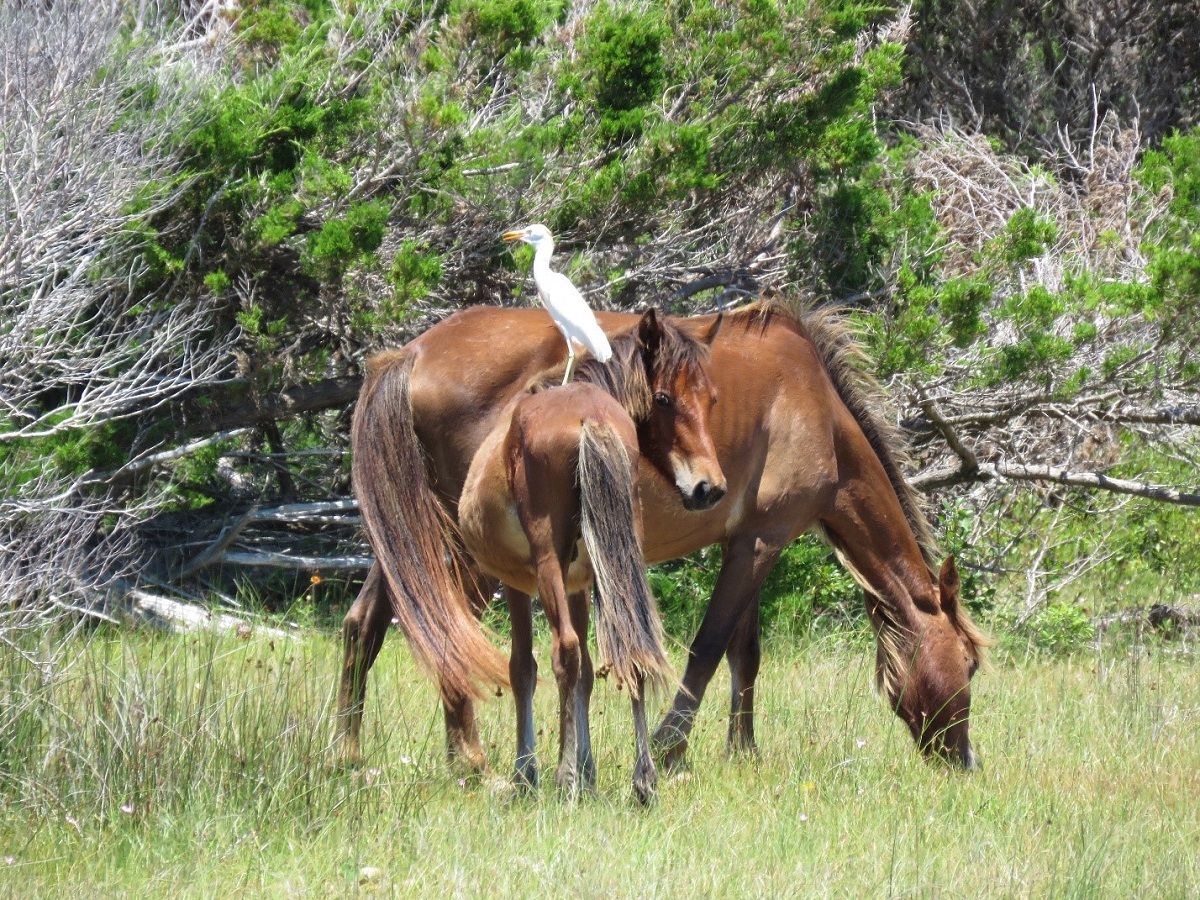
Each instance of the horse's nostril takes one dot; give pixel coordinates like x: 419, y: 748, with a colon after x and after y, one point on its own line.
x: 705, y: 495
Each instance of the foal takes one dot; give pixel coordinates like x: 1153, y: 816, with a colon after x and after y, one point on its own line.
x: 551, y: 504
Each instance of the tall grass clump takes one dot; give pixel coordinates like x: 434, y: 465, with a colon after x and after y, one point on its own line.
x: 169, y: 746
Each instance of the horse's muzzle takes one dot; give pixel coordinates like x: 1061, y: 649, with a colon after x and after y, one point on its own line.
x: 703, y: 496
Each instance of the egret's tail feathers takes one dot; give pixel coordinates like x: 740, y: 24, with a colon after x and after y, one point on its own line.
x: 598, y: 344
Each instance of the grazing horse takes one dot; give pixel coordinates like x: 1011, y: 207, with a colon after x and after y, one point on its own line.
x: 802, y: 447
x: 657, y: 382
x: 551, y: 504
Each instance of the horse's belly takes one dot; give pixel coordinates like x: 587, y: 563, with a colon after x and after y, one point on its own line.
x: 493, y: 535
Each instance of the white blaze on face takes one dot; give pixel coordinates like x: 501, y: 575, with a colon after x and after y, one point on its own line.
x: 685, y: 481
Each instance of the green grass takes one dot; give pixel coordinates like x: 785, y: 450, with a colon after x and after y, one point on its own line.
x: 198, y: 767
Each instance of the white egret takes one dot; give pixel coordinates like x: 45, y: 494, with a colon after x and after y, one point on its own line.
x: 566, y: 305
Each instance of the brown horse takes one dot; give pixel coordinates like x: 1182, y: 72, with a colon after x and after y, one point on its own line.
x: 551, y: 504
x: 801, y: 447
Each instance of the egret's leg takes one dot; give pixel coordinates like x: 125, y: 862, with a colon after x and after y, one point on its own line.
x: 570, y: 363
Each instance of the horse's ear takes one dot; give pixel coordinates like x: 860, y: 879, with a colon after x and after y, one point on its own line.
x: 711, y: 334
x: 949, y: 586
x: 649, y: 331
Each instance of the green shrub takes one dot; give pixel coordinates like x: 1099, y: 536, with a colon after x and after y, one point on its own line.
x: 1060, y: 627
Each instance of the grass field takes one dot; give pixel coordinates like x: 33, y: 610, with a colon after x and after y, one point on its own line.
x: 198, y: 767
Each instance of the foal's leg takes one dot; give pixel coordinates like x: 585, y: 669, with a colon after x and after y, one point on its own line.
x: 566, y: 657
x: 363, y: 631
x: 747, y: 562
x: 744, y: 655
x: 522, y: 671
x: 645, y: 776
x: 540, y: 476
x: 578, y: 603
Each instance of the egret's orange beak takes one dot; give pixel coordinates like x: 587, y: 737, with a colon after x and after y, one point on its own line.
x: 513, y: 235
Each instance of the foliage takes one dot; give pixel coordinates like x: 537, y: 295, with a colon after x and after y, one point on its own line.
x: 1024, y: 72
x: 1060, y: 626
x: 315, y: 180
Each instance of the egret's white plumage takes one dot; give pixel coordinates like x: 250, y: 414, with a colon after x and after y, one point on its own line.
x: 566, y: 305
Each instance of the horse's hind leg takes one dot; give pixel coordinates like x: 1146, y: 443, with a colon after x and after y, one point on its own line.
x: 522, y: 670
x: 566, y: 657
x: 363, y: 631
x: 464, y: 748
x: 744, y: 655
x: 578, y: 603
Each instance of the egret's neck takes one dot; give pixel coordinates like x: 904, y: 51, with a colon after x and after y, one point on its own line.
x: 541, y: 255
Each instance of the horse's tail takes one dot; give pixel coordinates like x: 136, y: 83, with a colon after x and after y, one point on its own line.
x: 844, y: 360
x: 413, y: 537
x: 628, y: 629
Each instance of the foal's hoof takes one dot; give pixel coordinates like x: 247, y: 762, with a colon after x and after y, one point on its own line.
x: 469, y: 765
x: 344, y: 759
x: 645, y: 785
x: 568, y: 785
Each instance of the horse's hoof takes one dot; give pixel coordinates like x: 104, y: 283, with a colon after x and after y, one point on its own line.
x: 645, y: 794
x: 645, y: 785
x: 525, y: 780
x: 673, y: 757
x: 344, y: 760
x: 568, y: 785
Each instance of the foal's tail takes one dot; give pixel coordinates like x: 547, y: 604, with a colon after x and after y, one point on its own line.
x: 628, y: 629
x: 412, y: 537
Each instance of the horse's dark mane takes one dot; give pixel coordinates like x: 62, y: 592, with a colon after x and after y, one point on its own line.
x: 624, y: 376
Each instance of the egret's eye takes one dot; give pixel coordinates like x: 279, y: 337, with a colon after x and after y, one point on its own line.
x: 662, y: 399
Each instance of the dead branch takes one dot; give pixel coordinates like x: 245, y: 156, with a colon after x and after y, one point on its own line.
x: 1048, y: 474
x: 287, y: 561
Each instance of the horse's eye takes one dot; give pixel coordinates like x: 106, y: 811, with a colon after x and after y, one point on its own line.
x: 663, y: 400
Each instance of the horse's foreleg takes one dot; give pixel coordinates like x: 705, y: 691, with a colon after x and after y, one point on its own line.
x: 747, y: 562
x: 744, y: 655
x: 363, y: 631
x: 578, y: 603
x: 645, y: 776
x: 522, y: 670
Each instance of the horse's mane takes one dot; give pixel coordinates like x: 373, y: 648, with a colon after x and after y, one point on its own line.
x: 624, y: 376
